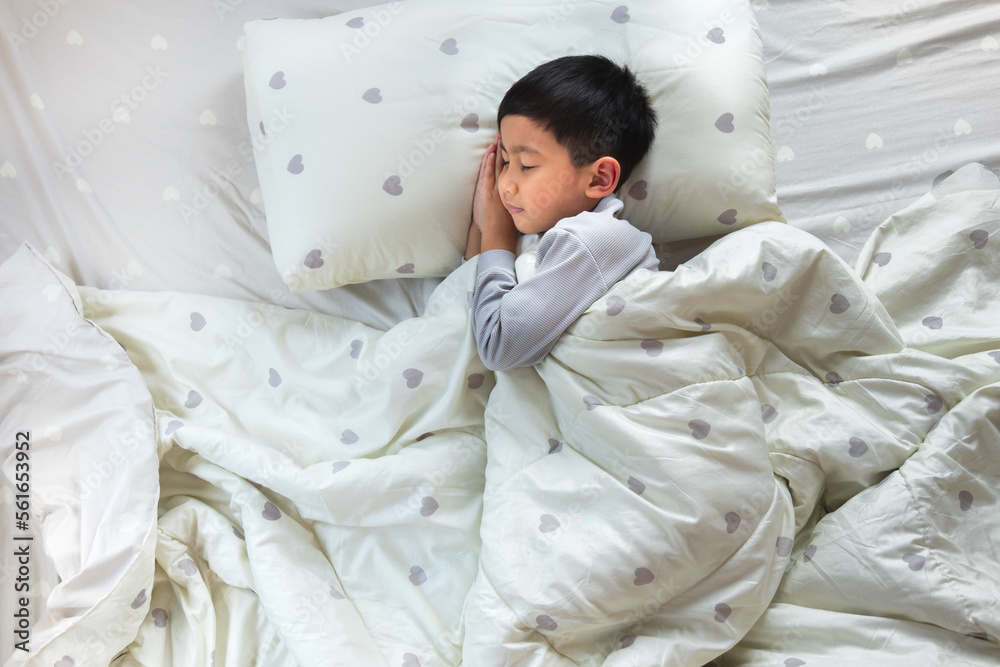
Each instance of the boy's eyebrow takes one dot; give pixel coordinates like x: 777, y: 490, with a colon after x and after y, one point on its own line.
x: 519, y: 149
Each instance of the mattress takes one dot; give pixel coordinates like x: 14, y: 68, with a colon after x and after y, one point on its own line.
x: 126, y: 165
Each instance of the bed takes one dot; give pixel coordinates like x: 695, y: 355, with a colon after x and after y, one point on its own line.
x: 203, y: 466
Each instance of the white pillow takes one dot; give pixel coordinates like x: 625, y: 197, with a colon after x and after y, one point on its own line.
x: 368, y: 127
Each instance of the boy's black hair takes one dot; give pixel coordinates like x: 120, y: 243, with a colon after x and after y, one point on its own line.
x: 592, y: 105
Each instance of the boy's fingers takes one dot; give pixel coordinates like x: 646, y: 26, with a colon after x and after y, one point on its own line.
x: 483, y: 164
x: 489, y: 172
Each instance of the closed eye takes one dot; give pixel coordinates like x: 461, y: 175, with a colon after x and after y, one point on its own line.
x: 525, y: 167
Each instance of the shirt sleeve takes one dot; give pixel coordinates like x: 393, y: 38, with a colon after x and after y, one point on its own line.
x: 517, y: 324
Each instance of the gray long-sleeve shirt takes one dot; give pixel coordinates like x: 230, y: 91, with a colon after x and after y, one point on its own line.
x: 578, y: 260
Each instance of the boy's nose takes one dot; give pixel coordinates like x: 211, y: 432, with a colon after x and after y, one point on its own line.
x: 505, y: 184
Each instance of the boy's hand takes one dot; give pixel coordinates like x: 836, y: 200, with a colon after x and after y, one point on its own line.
x: 489, y: 214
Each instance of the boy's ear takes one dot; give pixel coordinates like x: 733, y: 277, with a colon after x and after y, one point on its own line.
x: 605, y: 173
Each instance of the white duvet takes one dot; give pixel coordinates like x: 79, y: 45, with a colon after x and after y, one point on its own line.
x: 764, y: 457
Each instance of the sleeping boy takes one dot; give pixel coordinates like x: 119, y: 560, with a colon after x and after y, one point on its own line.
x: 571, y: 131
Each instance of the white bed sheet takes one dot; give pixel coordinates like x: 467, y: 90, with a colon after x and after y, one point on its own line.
x: 142, y: 103
x: 872, y: 102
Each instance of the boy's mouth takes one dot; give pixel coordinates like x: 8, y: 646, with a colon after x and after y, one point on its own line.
x: 513, y: 209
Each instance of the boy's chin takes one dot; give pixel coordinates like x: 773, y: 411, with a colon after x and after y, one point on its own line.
x: 523, y: 227
x: 533, y: 226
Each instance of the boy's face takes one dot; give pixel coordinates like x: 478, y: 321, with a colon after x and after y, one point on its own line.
x: 538, y: 184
